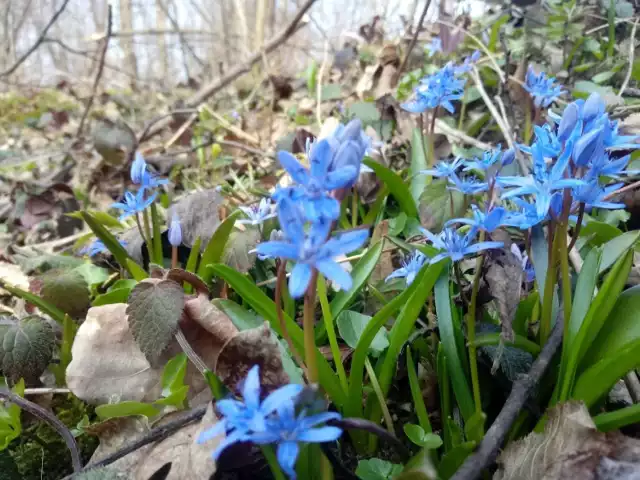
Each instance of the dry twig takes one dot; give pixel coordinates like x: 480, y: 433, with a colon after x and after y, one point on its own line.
x: 413, y: 40
x: 632, y: 50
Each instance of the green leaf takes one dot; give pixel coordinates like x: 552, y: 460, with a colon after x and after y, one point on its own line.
x: 367, y: 112
x: 330, y: 91
x: 125, y: 409
x: 599, y: 232
x: 46, y: 307
x: 92, y: 274
x: 598, y: 380
x: 474, y: 427
x: 613, y: 249
x: 155, y: 307
x: 215, y: 248
x: 583, y: 295
x: 602, y: 77
x: 119, y: 295
x: 495, y: 32
x: 606, y: 422
x: 26, y: 349
x: 265, y: 307
x: 136, y: 271
x: 117, y: 250
x: 435, y: 205
x: 174, y: 390
x: 594, y: 320
x: 156, y: 235
x: 418, y: 163
x: 192, y: 262
x: 396, y: 185
x: 540, y: 258
x: 360, y: 274
x: 455, y: 366
x: 242, y: 318
x: 66, y: 290
x: 10, y: 425
x: 377, y: 469
x: 352, y: 324
x: 417, y: 435
x: 101, y: 217
x: 311, y: 74
x: 416, y: 394
x: 454, y: 459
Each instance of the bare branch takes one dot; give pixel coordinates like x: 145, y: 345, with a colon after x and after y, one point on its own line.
x: 413, y: 40
x: 37, y: 43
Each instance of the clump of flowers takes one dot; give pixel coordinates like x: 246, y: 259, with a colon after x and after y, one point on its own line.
x: 543, y: 89
x: 276, y: 419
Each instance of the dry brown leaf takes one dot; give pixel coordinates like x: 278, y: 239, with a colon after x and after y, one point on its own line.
x: 571, y: 447
x: 12, y: 274
x: 367, y: 80
x: 189, y: 460
x: 256, y: 346
x: 198, y: 214
x: 107, y: 364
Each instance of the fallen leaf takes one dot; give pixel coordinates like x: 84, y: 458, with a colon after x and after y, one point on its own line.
x: 113, y: 140
x: 13, y: 275
x: 198, y: 214
x: 67, y: 290
x: 155, y: 308
x: 236, y: 253
x: 107, y: 365
x: 26, y: 349
x: 570, y: 447
x: 256, y: 346
x: 504, y: 277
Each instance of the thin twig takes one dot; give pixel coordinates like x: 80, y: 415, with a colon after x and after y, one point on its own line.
x: 522, y: 389
x: 181, y: 111
x: 632, y: 51
x: 38, y: 41
x: 447, y: 130
x: 413, y: 40
x: 49, y: 418
x: 181, y: 130
x: 325, y: 61
x: 46, y: 391
x: 96, y: 82
x: 214, y: 87
x: 155, y: 435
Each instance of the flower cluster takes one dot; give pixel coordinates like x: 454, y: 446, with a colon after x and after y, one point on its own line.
x: 434, y: 47
x: 270, y: 421
x: 441, y: 88
x: 258, y: 214
x: 308, y: 210
x: 133, y: 204
x: 543, y: 89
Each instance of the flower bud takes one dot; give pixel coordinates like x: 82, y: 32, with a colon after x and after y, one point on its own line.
x: 588, y: 146
x: 175, y: 232
x: 568, y: 122
x: 138, y: 168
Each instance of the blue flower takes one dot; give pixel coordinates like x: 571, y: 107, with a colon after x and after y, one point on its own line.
x: 530, y: 214
x: 314, y: 184
x: 175, y: 232
x: 489, y: 158
x: 134, y: 204
x: 311, y: 249
x: 603, y: 165
x: 241, y: 419
x: 349, y: 144
x: 457, y: 246
x: 434, y: 47
x: 96, y: 247
x: 410, y: 267
x: 481, y: 220
x: 468, y: 185
x: 543, y: 89
x: 287, y: 430
x: 527, y: 267
x: 437, y: 90
x: 444, y: 169
x: 593, y: 195
x: 259, y: 213
x: 140, y: 174
x: 588, y: 147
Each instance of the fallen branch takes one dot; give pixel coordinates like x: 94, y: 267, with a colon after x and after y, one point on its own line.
x: 38, y: 41
x: 96, y: 82
x: 217, y: 85
x: 522, y: 388
x: 49, y: 418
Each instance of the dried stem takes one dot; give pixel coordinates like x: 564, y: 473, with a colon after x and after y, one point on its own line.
x: 414, y: 40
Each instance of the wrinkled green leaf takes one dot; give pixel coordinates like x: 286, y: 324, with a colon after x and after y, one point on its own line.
x: 26, y: 349
x: 377, y: 469
x: 66, y: 290
x: 153, y: 314
x: 10, y: 425
x: 435, y: 205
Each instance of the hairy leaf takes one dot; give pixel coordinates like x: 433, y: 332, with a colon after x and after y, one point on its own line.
x: 155, y: 308
x: 67, y: 290
x: 352, y: 324
x: 435, y: 205
x: 236, y: 253
x: 377, y: 469
x: 26, y: 349
x: 504, y: 277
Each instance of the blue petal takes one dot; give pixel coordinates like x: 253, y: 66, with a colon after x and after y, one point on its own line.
x: 282, y: 394
x: 320, y: 159
x: 344, y: 243
x: 341, y: 178
x: 211, y: 433
x: 334, y: 272
x: 320, y: 435
x: 251, y: 388
x: 399, y: 273
x: 299, y: 281
x: 278, y: 249
x: 317, y: 419
x: 290, y: 220
x: 287, y: 455
x: 438, y: 257
x: 480, y: 246
x: 293, y: 167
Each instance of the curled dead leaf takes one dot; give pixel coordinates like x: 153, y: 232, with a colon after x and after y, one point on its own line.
x: 570, y: 447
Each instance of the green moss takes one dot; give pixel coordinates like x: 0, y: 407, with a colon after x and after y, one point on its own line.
x: 19, y: 109
x: 40, y: 452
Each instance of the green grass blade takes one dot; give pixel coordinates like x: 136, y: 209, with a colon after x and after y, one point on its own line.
x: 157, y: 235
x: 265, y: 307
x: 494, y: 339
x: 215, y: 248
x: 117, y: 250
x: 54, y: 312
x: 192, y: 262
x: 605, y: 422
x: 455, y: 366
x: 615, y: 248
x: 416, y: 394
x: 397, y: 186
x: 418, y: 163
